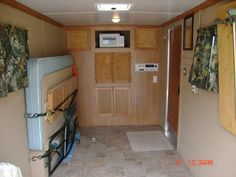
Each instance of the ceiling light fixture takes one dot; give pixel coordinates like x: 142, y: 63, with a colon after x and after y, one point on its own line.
x: 115, y: 19
x: 113, y: 7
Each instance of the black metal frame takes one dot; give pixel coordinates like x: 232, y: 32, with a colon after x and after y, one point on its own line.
x: 64, y: 147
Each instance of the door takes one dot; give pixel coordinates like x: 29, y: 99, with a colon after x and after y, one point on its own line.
x: 174, y: 79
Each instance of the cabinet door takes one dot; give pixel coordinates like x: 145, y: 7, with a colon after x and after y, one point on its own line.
x: 121, y: 67
x: 103, y: 67
x: 104, y: 105
x: 78, y: 39
x: 147, y: 38
x: 121, y: 101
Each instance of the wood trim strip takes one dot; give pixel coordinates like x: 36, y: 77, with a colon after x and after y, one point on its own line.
x: 202, y: 6
x: 23, y: 8
x: 74, y: 27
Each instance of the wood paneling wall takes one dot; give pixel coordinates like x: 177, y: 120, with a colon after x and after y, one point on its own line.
x: 141, y: 95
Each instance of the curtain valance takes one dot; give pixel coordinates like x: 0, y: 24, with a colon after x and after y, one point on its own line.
x: 204, y: 70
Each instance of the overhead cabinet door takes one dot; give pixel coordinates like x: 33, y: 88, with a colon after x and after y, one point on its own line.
x: 147, y: 38
x: 78, y: 39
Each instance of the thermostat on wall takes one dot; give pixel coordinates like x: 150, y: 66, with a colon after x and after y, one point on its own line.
x: 146, y: 67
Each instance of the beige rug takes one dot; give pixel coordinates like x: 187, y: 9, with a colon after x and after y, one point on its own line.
x: 148, y: 141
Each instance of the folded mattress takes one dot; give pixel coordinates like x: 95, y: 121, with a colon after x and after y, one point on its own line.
x: 37, y: 69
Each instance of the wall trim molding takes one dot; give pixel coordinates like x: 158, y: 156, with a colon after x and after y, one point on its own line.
x: 202, y: 6
x: 68, y: 27
x: 23, y: 8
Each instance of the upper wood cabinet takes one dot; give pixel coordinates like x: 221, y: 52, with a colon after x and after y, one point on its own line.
x: 78, y: 39
x: 113, y: 67
x: 147, y: 38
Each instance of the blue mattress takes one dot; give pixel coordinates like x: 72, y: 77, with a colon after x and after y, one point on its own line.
x: 37, y: 69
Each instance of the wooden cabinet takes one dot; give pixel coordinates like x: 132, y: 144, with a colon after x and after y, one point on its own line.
x: 104, y: 101
x: 113, y: 102
x: 103, y: 67
x: 78, y: 39
x: 147, y: 38
x: 121, y: 67
x: 121, y: 101
x: 113, y: 67
x: 112, y: 70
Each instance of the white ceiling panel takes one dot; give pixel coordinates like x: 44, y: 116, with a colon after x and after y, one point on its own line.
x: 79, y: 12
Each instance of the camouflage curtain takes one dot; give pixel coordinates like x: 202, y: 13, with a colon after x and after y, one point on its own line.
x: 14, y: 52
x: 204, y: 70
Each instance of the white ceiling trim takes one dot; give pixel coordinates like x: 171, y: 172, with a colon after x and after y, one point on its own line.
x: 131, y: 12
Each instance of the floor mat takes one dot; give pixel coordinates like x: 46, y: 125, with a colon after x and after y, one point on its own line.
x: 148, y: 141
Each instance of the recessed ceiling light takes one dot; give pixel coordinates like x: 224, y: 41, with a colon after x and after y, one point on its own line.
x: 113, y: 7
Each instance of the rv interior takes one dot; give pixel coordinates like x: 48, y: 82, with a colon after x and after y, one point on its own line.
x: 118, y: 88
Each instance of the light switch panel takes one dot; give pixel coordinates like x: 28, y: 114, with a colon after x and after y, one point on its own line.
x: 154, y: 79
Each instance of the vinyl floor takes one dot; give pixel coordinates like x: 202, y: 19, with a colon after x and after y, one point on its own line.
x: 111, y: 156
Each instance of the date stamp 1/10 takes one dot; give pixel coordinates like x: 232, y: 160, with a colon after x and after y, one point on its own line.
x: 200, y: 163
